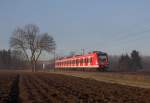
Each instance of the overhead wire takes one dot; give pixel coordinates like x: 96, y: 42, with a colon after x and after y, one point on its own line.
x: 132, y: 37
x: 126, y: 37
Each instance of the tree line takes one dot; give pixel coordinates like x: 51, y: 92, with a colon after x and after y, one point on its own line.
x: 126, y: 62
x: 11, y: 59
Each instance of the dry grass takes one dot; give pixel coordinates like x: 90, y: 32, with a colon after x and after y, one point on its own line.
x: 131, y: 79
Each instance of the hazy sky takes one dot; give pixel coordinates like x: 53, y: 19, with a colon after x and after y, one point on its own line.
x: 113, y: 26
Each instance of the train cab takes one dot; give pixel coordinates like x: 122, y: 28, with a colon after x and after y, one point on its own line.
x: 102, y: 59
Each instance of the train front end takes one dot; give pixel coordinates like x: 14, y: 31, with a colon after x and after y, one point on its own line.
x: 103, y: 60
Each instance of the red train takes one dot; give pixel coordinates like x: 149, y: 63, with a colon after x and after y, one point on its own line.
x: 92, y: 61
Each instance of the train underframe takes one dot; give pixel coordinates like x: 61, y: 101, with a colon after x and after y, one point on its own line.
x: 83, y: 69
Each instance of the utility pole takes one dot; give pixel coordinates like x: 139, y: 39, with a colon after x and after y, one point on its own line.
x: 54, y: 60
x: 83, y: 51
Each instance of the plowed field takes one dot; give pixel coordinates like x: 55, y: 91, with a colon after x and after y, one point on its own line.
x: 55, y: 88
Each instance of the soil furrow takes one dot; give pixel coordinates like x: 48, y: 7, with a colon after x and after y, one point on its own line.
x: 14, y: 93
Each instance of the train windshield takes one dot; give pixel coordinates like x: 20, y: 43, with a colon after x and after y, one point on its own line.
x: 103, y: 57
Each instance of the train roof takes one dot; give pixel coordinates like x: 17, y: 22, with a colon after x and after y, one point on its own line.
x: 90, y: 53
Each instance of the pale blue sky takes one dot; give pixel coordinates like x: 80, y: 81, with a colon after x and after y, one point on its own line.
x: 113, y: 26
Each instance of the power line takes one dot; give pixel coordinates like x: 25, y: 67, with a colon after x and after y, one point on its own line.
x: 119, y: 36
x: 127, y: 37
x: 125, y: 42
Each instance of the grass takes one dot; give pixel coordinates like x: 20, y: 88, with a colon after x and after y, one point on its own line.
x: 130, y: 79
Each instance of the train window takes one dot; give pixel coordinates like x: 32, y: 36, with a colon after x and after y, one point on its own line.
x: 81, y: 60
x: 73, y: 61
x: 66, y: 62
x: 69, y: 62
x: 77, y: 61
x: 85, y: 60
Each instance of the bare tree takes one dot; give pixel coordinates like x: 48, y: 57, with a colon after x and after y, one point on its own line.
x: 32, y: 43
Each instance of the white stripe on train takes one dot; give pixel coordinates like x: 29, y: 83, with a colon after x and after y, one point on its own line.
x: 96, y: 66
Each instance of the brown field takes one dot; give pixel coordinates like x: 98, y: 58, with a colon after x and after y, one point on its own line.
x: 26, y: 87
